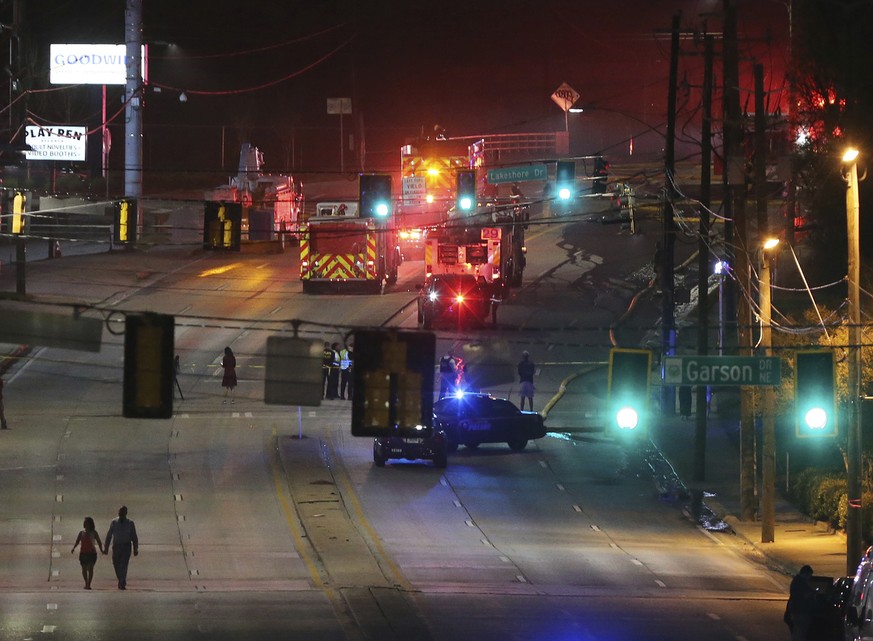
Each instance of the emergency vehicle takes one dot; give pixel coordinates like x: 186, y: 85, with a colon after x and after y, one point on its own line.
x: 341, y: 250
x: 428, y: 171
x: 488, y: 245
x: 271, y: 203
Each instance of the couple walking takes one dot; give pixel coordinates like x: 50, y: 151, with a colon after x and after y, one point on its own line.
x: 121, y: 535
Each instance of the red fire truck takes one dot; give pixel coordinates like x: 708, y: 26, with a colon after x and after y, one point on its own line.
x: 488, y: 244
x: 339, y: 250
x: 428, y: 171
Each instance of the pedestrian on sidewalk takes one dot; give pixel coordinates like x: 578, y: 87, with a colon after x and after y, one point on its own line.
x: 122, y: 536
x: 3, y: 425
x: 228, y: 381
x: 801, y: 604
x: 90, y: 542
x: 526, y: 371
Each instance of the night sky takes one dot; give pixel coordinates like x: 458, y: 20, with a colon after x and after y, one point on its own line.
x: 261, y: 71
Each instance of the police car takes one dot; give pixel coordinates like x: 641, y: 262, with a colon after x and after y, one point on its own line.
x: 473, y: 419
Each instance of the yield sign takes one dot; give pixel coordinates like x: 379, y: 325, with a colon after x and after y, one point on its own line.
x: 565, y: 96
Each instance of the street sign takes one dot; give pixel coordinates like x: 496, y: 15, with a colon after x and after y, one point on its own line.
x: 414, y: 190
x: 519, y: 174
x: 565, y: 96
x: 722, y: 370
x: 339, y: 106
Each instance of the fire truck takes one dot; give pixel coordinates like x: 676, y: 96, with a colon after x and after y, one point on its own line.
x: 340, y: 250
x: 489, y: 244
x: 427, y: 173
x: 272, y: 203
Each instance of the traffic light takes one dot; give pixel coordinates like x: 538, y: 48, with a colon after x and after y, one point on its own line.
x: 149, y: 371
x: 393, y: 383
x: 375, y: 195
x: 814, y: 401
x: 465, y: 192
x: 565, y: 179
x: 629, y: 374
x: 125, y: 220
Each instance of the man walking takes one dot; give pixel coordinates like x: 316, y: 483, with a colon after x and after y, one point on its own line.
x: 122, y: 536
x: 526, y: 370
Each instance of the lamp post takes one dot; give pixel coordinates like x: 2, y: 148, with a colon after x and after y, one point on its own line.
x: 768, y: 459
x: 853, y: 447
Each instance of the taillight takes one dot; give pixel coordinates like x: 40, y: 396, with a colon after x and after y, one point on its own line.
x: 459, y: 298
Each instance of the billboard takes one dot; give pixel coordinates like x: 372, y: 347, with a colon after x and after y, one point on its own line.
x: 55, y: 143
x: 83, y: 64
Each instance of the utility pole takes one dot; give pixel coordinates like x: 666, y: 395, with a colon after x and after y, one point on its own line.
x: 737, y: 306
x: 133, y: 105
x: 854, y: 532
x: 668, y: 337
x: 703, y: 257
x: 768, y: 458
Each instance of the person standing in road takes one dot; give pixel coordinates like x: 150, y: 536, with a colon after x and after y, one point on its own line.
x: 90, y: 542
x: 326, y: 359
x: 801, y: 604
x: 347, y: 384
x: 448, y: 374
x: 228, y: 381
x: 122, y: 536
x: 334, y: 375
x: 526, y: 371
x: 3, y: 425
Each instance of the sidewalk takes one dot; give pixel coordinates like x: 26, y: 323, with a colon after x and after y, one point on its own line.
x: 797, y: 541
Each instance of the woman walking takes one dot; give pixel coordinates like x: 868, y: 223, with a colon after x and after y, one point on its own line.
x: 90, y: 541
x: 228, y: 381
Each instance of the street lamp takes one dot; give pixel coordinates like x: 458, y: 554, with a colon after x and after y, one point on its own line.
x: 768, y: 485
x: 853, y: 447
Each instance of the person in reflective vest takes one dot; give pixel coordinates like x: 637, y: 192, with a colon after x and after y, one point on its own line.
x: 347, y: 384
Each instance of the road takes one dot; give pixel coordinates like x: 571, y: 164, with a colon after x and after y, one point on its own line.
x: 258, y: 521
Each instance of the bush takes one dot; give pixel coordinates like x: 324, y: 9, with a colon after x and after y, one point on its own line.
x: 818, y: 493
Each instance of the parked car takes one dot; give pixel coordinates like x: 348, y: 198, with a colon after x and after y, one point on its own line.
x: 432, y: 448
x: 473, y: 419
x: 454, y: 299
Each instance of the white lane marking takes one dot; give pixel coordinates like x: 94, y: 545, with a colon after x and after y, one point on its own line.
x: 660, y: 583
x: 614, y: 545
x: 56, y: 573
x: 469, y: 523
x: 457, y: 503
x: 51, y: 606
x: 180, y: 517
x: 249, y: 415
x: 595, y: 528
x: 443, y: 481
x: 636, y: 562
x: 713, y: 616
x: 560, y: 487
x: 543, y: 464
x: 59, y: 498
x: 57, y: 537
x: 505, y: 559
x: 48, y: 629
x: 195, y: 572
x: 234, y: 414
x: 520, y: 578
x: 178, y: 497
x: 577, y: 508
x: 275, y: 310
x: 59, y: 477
x: 486, y: 542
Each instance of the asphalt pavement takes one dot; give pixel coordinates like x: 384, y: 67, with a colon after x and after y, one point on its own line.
x: 798, y: 539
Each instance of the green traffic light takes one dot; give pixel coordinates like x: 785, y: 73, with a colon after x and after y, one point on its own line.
x: 627, y: 418
x: 816, y: 418
x: 381, y: 209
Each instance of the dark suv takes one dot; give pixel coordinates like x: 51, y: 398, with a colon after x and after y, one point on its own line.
x: 455, y: 299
